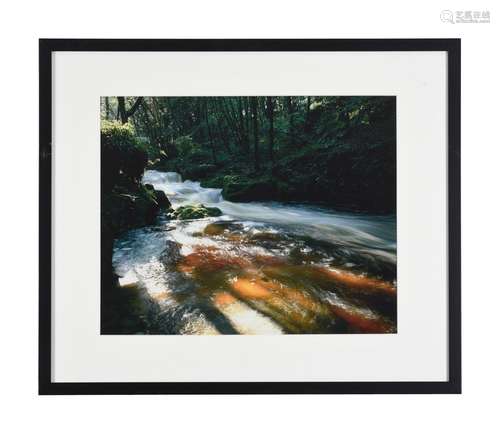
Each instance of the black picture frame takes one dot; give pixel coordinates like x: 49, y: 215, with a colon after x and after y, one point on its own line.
x: 49, y: 46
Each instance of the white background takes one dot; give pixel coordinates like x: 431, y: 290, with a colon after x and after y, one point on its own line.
x: 23, y: 412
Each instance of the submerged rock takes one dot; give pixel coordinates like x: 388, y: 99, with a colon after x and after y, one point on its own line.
x: 217, y: 228
x: 123, y: 209
x: 197, y: 211
x: 158, y: 196
x: 171, y: 254
x: 213, y: 229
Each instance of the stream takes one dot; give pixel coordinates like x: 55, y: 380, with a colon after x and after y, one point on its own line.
x: 260, y: 268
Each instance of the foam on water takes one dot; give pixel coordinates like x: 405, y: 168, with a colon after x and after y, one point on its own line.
x: 376, y: 234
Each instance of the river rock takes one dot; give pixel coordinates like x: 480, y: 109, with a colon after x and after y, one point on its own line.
x: 171, y: 254
x: 126, y: 209
x: 197, y: 211
x: 162, y: 199
x: 217, y: 228
x: 242, y: 189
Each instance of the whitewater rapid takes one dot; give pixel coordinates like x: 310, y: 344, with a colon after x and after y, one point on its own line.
x: 376, y: 234
x: 261, y: 267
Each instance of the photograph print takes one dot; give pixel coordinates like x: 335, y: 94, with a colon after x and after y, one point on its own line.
x: 248, y: 215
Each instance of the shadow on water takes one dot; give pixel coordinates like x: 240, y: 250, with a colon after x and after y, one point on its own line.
x: 300, y: 299
x: 130, y: 309
x: 213, y: 290
x: 216, y: 318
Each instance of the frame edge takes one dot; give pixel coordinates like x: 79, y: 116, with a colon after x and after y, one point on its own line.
x: 45, y: 384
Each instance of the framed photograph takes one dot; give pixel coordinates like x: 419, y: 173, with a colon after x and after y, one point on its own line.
x: 249, y: 216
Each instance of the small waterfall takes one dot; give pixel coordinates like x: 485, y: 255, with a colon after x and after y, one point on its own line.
x: 173, y: 177
x: 182, y: 192
x: 211, y: 196
x: 156, y: 177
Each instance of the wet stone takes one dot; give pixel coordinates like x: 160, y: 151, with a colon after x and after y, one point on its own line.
x: 217, y: 228
x: 171, y: 255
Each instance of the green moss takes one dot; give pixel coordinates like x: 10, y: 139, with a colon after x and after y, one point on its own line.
x: 123, y: 158
x: 197, y: 211
x: 126, y: 208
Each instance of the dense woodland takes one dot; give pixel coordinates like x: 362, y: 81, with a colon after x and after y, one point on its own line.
x: 339, y: 151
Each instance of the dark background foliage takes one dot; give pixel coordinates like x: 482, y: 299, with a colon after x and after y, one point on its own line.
x: 337, y: 151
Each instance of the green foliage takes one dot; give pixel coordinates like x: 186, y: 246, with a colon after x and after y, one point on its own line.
x: 114, y: 133
x: 122, y: 155
x: 185, y: 145
x: 198, y: 211
x: 258, y: 148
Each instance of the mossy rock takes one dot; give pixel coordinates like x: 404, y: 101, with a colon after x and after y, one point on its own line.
x: 157, y: 196
x: 243, y: 189
x: 197, y: 211
x: 124, y: 209
x: 162, y: 199
x: 213, y: 230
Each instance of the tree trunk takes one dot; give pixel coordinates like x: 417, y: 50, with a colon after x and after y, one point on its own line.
x: 247, y: 118
x: 223, y: 136
x: 243, y: 133
x: 125, y: 114
x: 122, y: 112
x: 288, y: 105
x: 291, y: 126
x: 209, y: 133
x: 151, y: 129
x: 270, y: 117
x: 231, y: 123
x: 135, y: 106
x: 106, y: 104
x: 307, y: 121
x: 254, y: 105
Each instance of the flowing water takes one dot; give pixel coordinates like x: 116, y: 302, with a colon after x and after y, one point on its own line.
x: 261, y: 268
